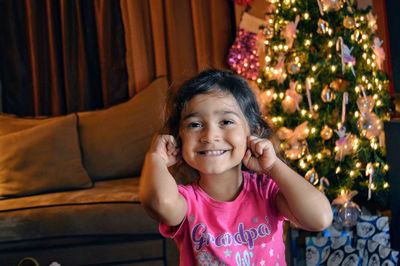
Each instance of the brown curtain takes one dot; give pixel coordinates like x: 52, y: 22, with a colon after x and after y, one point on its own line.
x: 176, y: 38
x: 60, y: 56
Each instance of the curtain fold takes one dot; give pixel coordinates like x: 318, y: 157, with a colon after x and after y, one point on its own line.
x: 66, y: 56
x: 184, y: 37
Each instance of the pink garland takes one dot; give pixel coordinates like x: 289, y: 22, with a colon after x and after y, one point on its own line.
x: 243, y: 56
x: 243, y: 2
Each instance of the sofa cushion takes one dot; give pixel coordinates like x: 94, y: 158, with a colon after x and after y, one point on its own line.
x: 10, y: 123
x: 43, y: 158
x: 115, y: 140
x: 109, y: 208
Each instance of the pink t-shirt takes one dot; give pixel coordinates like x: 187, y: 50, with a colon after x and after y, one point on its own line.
x: 245, y: 231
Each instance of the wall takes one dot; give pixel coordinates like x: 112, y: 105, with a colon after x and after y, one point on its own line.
x: 393, y: 22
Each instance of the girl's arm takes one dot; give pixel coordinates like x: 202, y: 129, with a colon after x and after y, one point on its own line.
x: 297, y: 200
x: 158, y: 190
x: 300, y: 201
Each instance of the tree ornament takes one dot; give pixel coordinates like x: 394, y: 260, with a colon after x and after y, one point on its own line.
x: 268, y: 32
x: 357, y: 36
x: 323, y: 183
x: 293, y: 67
x: 369, y: 123
x: 345, y: 145
x: 326, y: 133
x: 294, y: 62
x: 369, y: 171
x: 308, y: 93
x: 345, y: 55
x: 277, y: 72
x: 327, y: 95
x: 379, y: 52
x: 339, y: 85
x: 349, y: 214
x: 292, y: 99
x: 323, y: 26
x: 326, y: 152
x: 312, y: 176
x: 329, y: 5
x: 289, y: 33
x: 295, y: 140
x: 266, y: 97
x: 268, y: 29
x: 372, y: 22
x: 296, y: 150
x: 349, y: 22
x: 348, y: 210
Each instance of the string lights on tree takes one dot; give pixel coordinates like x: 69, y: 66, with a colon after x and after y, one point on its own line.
x: 324, y: 90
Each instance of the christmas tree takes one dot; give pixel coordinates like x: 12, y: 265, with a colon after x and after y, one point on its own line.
x: 325, y: 91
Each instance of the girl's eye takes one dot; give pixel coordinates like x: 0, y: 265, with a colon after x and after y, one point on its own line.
x: 226, y: 122
x: 194, y: 125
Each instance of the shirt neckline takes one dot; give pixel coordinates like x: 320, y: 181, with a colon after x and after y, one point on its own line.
x: 223, y: 204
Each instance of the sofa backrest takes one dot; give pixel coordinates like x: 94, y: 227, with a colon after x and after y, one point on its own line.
x: 69, y: 152
x: 115, y: 140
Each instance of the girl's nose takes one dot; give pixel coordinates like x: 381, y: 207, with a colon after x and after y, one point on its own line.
x: 210, y: 134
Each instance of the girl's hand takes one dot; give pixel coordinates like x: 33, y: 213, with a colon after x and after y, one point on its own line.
x: 260, y: 155
x: 166, y: 147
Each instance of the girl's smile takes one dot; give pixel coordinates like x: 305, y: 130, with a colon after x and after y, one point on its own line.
x: 212, y: 152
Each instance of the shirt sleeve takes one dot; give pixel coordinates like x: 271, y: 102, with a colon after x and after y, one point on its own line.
x: 175, y: 231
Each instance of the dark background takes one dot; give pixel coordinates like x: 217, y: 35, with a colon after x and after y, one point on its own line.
x: 393, y: 19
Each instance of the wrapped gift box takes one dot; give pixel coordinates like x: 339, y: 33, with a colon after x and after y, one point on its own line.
x: 376, y: 254
x: 331, y: 251
x: 373, y: 228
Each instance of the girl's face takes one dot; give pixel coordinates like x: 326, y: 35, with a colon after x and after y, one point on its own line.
x: 214, y: 133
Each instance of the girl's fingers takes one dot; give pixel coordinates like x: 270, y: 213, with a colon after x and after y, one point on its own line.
x: 247, y: 157
x: 259, y: 146
x: 256, y: 145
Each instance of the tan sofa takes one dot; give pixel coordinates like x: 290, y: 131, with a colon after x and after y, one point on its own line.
x: 69, y: 186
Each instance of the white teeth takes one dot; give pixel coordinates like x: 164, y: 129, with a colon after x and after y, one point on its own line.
x: 213, y: 153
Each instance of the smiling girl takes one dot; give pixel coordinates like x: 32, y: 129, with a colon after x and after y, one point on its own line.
x: 227, y: 216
